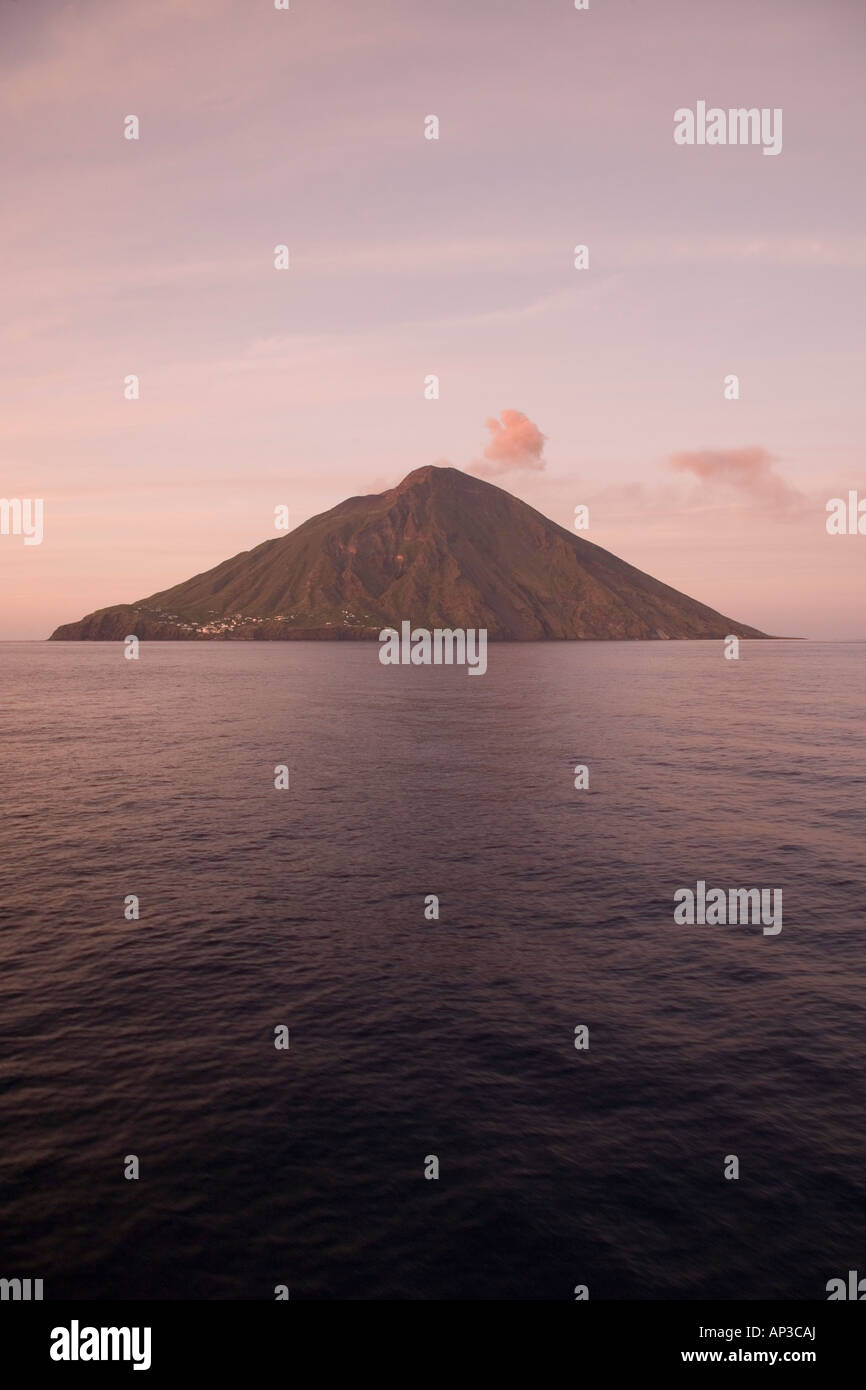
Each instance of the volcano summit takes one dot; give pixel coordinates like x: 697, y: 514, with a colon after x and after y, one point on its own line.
x: 442, y: 549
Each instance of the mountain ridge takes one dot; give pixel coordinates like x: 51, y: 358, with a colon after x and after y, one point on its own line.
x: 441, y: 549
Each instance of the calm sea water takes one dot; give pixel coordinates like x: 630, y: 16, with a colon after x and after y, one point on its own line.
x: 408, y: 1037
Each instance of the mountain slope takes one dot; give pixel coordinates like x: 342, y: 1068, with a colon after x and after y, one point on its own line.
x: 442, y: 549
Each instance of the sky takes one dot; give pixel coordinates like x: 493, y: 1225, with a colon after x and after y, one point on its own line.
x: 410, y: 257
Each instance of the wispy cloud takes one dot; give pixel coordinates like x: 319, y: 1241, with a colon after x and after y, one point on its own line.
x: 748, y: 471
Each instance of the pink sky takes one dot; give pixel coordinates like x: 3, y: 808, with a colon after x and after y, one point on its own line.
x: 412, y: 257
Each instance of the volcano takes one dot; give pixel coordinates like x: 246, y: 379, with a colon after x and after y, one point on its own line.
x: 443, y: 549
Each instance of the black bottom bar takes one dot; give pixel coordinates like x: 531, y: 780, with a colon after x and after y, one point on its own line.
x: 221, y: 1340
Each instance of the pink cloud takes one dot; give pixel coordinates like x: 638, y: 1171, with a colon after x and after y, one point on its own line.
x: 748, y: 470
x: 515, y: 443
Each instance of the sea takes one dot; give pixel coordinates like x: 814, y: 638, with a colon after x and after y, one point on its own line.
x: 510, y: 1073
